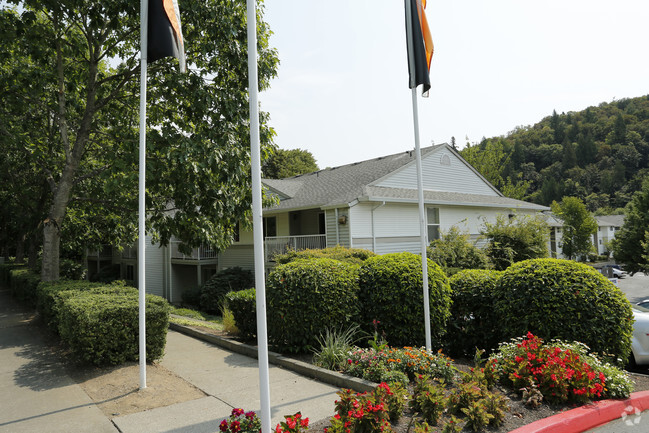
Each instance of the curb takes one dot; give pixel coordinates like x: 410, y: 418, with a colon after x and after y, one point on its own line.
x: 589, y: 416
x: 304, y: 368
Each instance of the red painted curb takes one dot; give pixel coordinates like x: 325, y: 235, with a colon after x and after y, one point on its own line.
x: 587, y: 417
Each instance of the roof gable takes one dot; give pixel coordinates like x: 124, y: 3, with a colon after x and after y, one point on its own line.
x: 443, y: 170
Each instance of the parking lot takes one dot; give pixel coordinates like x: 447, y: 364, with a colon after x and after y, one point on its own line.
x: 636, y: 288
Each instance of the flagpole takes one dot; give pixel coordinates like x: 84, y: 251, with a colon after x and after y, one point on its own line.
x: 422, y: 220
x: 257, y: 221
x: 144, y: 18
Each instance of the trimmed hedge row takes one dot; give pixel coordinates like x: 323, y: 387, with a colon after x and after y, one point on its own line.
x: 5, y: 273
x: 227, y: 280
x: 99, y: 322
x: 305, y: 297
x: 102, y: 328
x: 351, y: 255
x: 243, y: 305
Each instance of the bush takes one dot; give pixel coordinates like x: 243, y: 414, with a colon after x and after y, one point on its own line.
x: 390, y: 292
x: 515, y: 239
x: 243, y: 305
x: 473, y: 323
x: 51, y: 295
x: 72, y: 270
x: 306, y: 297
x: 102, y: 329
x: 22, y: 285
x: 5, y: 273
x: 343, y: 254
x: 455, y: 251
x: 192, y: 297
x: 563, y: 299
x: 227, y: 280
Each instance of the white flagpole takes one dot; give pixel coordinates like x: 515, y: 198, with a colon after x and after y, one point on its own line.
x: 420, y: 183
x: 257, y: 221
x: 422, y: 220
x: 144, y: 19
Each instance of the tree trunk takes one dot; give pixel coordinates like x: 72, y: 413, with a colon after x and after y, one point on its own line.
x: 51, y: 241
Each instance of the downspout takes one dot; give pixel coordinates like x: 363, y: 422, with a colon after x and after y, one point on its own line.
x: 373, y: 234
x: 337, y: 230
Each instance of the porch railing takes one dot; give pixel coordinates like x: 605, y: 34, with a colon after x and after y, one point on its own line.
x: 106, y: 251
x: 201, y: 253
x: 281, y: 244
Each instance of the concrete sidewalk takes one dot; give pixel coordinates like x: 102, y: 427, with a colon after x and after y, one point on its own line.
x: 36, y: 395
x: 230, y: 380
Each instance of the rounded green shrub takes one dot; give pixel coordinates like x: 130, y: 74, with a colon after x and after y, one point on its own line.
x: 391, y: 292
x: 567, y: 300
x: 227, y: 280
x: 344, y: 254
x: 473, y: 323
x: 305, y: 297
x: 243, y: 305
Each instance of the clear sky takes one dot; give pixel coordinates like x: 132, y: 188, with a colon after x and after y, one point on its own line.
x: 342, y: 87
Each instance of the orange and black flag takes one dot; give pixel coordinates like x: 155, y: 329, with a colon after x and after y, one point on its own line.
x: 165, y: 36
x: 420, y: 44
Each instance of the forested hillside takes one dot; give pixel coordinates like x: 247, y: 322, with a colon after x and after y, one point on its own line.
x: 600, y: 154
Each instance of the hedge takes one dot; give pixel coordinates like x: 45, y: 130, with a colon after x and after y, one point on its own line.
x: 227, y: 280
x: 473, y: 323
x: 343, y: 254
x: 391, y: 292
x: 243, y: 305
x: 50, y: 296
x: 23, y: 284
x: 102, y: 329
x: 5, y: 273
x: 305, y: 297
x: 563, y: 299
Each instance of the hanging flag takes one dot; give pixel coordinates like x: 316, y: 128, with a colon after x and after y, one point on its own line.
x: 165, y: 36
x: 420, y: 44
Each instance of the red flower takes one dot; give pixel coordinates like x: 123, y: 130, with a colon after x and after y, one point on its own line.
x: 223, y: 426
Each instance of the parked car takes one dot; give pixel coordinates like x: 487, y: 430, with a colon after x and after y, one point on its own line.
x: 640, y: 339
x: 644, y: 304
x: 615, y: 269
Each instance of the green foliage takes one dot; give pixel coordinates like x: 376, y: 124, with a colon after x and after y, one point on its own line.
x: 563, y: 299
x: 23, y: 284
x: 578, y: 226
x: 227, y: 280
x: 343, y: 254
x: 102, y: 329
x: 429, y: 399
x: 601, y: 150
x: 473, y: 322
x: 362, y: 412
x: 628, y: 245
x: 391, y: 291
x: 306, y: 297
x: 511, y: 240
x: 243, y: 305
x: 335, y: 345
x: 287, y: 163
x: 192, y: 297
x: 454, y: 251
x: 5, y: 273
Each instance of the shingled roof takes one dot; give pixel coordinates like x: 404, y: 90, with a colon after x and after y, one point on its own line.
x: 340, y: 186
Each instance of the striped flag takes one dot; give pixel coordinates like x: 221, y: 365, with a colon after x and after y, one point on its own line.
x: 165, y: 36
x: 420, y: 44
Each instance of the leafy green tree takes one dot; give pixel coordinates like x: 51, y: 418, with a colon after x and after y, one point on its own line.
x: 517, y: 238
x: 627, y: 245
x: 287, y: 163
x: 578, y: 226
x: 84, y: 139
x: 454, y: 251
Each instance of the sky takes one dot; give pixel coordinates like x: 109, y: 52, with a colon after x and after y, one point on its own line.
x: 342, y: 86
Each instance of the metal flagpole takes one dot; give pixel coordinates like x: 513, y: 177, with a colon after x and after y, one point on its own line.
x: 144, y: 19
x: 257, y: 221
x: 422, y: 220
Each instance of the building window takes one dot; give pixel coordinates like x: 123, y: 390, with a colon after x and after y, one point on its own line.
x: 130, y: 274
x: 270, y: 227
x: 432, y: 219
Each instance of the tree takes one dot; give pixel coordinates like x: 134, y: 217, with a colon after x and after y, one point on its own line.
x: 198, y: 137
x: 287, y: 163
x: 627, y: 245
x: 515, y: 238
x: 454, y: 251
x: 578, y: 226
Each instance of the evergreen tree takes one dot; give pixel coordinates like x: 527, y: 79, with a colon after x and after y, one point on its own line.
x: 627, y: 245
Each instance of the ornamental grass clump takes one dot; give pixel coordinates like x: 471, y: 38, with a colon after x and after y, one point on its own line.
x: 560, y: 371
